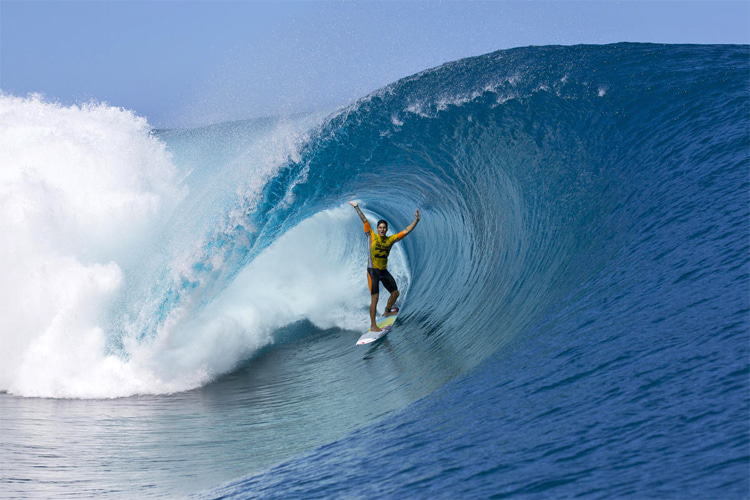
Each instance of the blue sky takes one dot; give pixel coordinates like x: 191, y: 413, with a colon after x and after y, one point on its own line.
x: 184, y: 63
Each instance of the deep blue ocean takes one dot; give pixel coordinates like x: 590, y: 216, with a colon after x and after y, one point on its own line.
x: 575, y: 300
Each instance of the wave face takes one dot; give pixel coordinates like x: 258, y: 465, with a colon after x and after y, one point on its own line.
x: 575, y: 298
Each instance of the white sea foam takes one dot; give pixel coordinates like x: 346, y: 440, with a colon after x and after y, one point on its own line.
x: 80, y: 188
x: 93, y: 211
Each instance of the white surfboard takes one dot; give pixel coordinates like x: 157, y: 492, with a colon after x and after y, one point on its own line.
x: 385, y: 322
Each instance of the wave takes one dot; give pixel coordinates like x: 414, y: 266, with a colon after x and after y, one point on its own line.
x: 585, y: 212
x: 161, y: 260
x: 584, y: 242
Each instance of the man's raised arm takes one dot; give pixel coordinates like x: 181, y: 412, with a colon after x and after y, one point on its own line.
x: 356, y: 207
x: 411, y: 226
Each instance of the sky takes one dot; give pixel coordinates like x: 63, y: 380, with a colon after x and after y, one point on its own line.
x: 190, y: 63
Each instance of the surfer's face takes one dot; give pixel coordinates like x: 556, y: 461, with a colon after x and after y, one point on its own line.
x: 382, y: 228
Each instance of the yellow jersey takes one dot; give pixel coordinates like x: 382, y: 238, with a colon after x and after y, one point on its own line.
x: 380, y: 247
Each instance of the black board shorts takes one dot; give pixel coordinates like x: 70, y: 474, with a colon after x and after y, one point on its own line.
x: 375, y: 276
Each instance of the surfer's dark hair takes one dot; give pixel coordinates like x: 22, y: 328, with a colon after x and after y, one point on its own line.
x: 382, y: 221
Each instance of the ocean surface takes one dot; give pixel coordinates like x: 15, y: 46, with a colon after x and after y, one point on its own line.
x: 179, y: 308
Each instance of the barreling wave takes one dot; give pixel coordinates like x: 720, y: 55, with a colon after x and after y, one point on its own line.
x: 520, y: 160
x: 586, y: 212
x: 560, y: 187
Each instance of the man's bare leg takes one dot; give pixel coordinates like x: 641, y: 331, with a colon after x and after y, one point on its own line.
x: 373, y: 312
x: 391, y: 301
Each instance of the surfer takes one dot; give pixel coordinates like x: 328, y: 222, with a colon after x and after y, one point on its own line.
x: 377, y: 263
